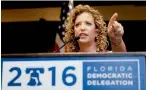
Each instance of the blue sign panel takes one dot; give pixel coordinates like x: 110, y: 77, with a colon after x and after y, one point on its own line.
x: 74, y: 73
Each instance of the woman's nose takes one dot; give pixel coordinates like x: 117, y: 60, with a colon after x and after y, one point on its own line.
x: 82, y: 27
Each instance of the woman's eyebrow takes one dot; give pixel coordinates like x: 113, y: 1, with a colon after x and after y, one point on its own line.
x: 77, y: 22
x: 88, y: 21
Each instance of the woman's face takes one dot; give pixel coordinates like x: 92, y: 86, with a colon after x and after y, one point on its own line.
x: 85, y: 28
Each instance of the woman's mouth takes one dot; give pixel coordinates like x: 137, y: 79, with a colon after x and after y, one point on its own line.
x: 83, y: 34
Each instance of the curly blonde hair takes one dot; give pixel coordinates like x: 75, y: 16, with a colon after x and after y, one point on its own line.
x: 101, y: 39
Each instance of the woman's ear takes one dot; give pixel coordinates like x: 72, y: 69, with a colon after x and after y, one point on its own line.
x: 97, y: 30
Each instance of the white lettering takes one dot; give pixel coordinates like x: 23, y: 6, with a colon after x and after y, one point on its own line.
x: 113, y: 82
x: 129, y: 68
x: 122, y: 68
x: 109, y: 75
x: 102, y: 68
x: 88, y: 68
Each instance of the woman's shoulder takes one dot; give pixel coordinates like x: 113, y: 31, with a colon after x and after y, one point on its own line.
x: 108, y: 51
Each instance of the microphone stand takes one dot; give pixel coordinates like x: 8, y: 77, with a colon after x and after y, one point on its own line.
x: 75, y: 38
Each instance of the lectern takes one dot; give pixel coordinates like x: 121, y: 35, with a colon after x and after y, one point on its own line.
x: 74, y: 71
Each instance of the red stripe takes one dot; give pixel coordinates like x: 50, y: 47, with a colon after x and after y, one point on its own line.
x: 56, y: 46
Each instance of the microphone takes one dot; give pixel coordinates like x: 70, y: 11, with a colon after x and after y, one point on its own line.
x: 73, y: 39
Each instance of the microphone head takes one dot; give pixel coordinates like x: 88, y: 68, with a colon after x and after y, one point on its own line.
x: 77, y: 38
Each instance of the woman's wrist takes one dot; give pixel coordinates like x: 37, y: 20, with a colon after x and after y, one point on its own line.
x: 116, y: 42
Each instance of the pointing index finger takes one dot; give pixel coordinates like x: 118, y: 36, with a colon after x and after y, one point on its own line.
x: 113, y: 19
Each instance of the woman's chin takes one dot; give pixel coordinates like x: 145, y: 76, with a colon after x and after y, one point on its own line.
x: 83, y: 41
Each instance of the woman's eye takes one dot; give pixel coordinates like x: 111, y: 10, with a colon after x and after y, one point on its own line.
x: 77, y: 24
x: 88, y: 23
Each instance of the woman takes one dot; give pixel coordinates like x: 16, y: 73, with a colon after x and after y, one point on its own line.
x: 88, y: 24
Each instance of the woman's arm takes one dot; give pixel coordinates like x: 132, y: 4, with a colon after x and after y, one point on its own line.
x: 118, y: 46
x: 115, y: 32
